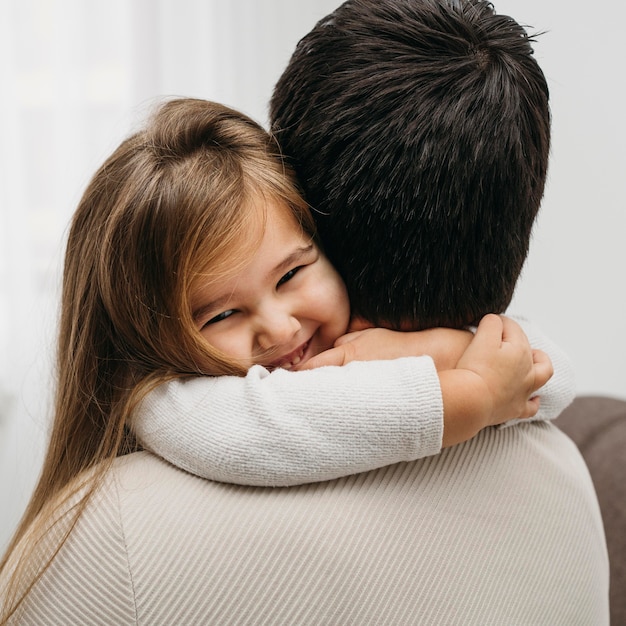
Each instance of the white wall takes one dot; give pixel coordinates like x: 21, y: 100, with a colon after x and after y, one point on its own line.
x: 233, y: 52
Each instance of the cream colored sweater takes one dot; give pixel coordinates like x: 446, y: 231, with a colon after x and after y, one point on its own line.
x: 504, y: 530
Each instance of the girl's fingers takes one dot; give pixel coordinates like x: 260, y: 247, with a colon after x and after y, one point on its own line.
x: 543, y: 368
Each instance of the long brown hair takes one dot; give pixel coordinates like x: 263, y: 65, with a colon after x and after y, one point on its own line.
x: 166, y: 206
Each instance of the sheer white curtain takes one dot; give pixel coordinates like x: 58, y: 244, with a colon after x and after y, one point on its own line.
x: 76, y: 76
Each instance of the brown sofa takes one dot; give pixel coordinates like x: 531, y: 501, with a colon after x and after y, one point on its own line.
x: 598, y: 426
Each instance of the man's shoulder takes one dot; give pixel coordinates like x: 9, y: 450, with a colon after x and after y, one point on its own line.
x: 497, y: 529
x: 494, y: 530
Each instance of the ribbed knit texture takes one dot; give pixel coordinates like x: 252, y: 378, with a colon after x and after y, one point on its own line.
x: 503, y: 530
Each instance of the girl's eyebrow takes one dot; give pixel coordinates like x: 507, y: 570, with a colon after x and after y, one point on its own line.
x: 292, y: 258
x: 202, y: 311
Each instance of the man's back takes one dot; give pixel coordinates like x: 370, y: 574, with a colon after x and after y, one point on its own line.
x: 504, y: 529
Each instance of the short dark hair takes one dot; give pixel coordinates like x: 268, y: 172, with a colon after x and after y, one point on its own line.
x: 420, y: 132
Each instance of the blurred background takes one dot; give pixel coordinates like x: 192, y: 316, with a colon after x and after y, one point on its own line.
x: 78, y: 75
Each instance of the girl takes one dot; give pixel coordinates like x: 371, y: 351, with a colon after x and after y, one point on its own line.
x: 191, y: 254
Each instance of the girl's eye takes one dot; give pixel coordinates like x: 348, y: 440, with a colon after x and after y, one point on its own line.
x: 220, y: 317
x: 289, y: 275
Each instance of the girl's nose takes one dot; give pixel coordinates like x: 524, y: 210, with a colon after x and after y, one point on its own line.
x: 276, y: 328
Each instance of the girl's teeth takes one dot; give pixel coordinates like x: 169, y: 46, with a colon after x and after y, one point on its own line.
x: 294, y: 361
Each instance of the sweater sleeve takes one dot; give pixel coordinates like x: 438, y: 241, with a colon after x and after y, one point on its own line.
x: 559, y: 392
x: 286, y: 428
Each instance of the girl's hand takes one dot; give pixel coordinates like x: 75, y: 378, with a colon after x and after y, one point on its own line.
x: 444, y: 345
x: 510, y: 371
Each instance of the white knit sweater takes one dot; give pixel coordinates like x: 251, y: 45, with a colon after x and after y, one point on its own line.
x: 286, y: 428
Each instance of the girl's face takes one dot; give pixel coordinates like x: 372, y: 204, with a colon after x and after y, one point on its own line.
x: 282, y: 306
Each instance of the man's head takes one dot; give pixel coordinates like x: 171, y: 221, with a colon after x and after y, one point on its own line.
x: 420, y: 132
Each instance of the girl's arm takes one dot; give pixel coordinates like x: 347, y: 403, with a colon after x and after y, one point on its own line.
x: 446, y: 346
x: 286, y: 428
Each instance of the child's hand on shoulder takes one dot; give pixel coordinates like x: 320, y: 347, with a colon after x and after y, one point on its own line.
x: 510, y: 371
